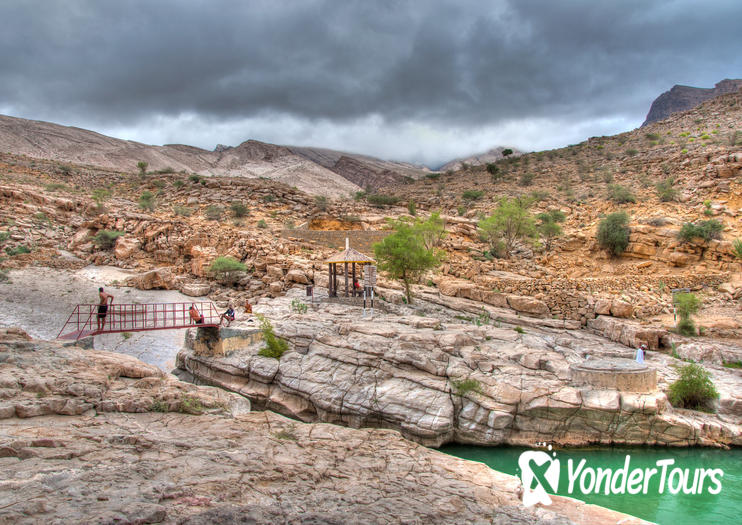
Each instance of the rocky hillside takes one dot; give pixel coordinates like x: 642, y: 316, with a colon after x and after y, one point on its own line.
x: 253, y: 159
x: 683, y: 98
x: 97, y: 437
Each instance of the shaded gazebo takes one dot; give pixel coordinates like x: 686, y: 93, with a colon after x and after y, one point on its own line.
x: 349, y: 256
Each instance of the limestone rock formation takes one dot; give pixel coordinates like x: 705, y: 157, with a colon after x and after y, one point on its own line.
x: 405, y: 372
x: 683, y: 98
x: 96, y: 437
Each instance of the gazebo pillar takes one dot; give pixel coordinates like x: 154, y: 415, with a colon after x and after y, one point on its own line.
x: 354, y: 279
x: 346, y: 279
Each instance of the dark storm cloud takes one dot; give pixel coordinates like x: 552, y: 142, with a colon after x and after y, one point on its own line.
x: 443, y: 63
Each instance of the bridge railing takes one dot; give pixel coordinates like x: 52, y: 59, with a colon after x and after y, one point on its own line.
x: 135, y: 318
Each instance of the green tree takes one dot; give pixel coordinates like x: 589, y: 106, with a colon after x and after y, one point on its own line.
x: 142, y: 167
x: 494, y: 171
x: 412, y: 207
x: 510, y: 223
x: 239, y: 209
x: 432, y: 231
x: 548, y: 226
x: 666, y: 189
x: 227, y: 268
x: 686, y: 305
x: 506, y: 152
x: 613, y: 233
x: 147, y: 201
x: 404, y: 256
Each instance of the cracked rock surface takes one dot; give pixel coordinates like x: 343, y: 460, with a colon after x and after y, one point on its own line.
x: 87, y: 448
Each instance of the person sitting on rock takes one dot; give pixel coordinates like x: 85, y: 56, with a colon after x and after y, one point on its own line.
x: 248, y: 307
x: 196, y: 316
x: 228, y: 315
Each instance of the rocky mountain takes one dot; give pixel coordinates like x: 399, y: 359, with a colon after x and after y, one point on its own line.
x: 368, y: 172
x: 45, y: 140
x: 683, y: 98
x: 480, y: 159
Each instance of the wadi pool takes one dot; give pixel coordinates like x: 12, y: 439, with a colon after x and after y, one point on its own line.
x: 660, y: 506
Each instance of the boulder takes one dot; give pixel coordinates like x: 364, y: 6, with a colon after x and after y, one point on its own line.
x: 296, y: 275
x: 529, y: 305
x: 196, y: 289
x: 158, y: 279
x: 603, y: 307
x: 621, y: 309
x: 274, y: 272
x: 126, y: 246
x: 275, y: 288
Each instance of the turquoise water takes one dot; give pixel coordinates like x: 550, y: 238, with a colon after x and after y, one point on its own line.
x: 666, y: 508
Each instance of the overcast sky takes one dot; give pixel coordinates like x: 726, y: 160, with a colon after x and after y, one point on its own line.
x: 417, y: 80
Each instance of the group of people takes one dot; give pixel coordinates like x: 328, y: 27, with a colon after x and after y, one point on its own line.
x: 196, y: 317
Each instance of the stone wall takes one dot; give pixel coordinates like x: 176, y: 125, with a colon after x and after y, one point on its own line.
x: 361, y: 240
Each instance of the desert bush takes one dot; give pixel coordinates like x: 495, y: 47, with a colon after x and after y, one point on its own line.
x: 226, y: 268
x: 666, y: 190
x: 182, y: 211
x: 631, y: 152
x: 262, y: 224
x: 613, y: 233
x: 620, y: 194
x: 142, y: 167
x: 706, y: 230
x: 147, y: 201
x: 194, y: 178
x: 18, y: 250
x: 431, y: 176
x: 737, y: 248
x: 509, y: 223
x: 412, y: 208
x: 106, y: 239
x: 379, y: 200
x: 526, y: 179
x: 100, y: 196
x: 360, y: 195
x: 686, y: 327
x: 238, y: 209
x: 178, y: 183
x: 472, y: 195
x: 321, y: 202
x: 274, y: 345
x: 214, y: 212
x: 693, y: 389
x: 464, y: 386
x: 299, y: 306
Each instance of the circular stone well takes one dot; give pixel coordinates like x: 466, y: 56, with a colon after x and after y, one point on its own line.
x: 625, y: 375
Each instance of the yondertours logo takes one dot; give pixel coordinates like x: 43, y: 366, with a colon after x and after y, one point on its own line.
x: 540, y: 472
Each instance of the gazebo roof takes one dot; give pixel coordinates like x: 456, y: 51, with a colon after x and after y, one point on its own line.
x: 349, y: 255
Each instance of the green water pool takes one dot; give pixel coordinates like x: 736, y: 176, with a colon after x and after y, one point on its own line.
x: 664, y: 508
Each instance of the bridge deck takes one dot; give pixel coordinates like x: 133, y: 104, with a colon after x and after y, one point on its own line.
x: 86, y: 320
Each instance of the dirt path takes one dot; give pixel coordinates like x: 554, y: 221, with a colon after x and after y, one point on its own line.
x: 39, y: 300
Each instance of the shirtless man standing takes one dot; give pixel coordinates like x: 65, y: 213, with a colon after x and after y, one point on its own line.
x: 105, y: 300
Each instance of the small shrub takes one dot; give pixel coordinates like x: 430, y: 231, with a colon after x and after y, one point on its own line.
x: 269, y: 198
x: 320, y: 201
x: 262, y: 224
x: 631, y: 152
x: 147, y: 201
x: 686, y: 304
x: 158, y: 406
x: 214, y: 212
x: 666, y: 190
x: 106, y: 239
x: 274, y: 345
x: 239, y: 209
x: 142, y: 167
x: 195, y: 178
x: 526, y: 179
x: 732, y: 364
x: 519, y: 329
x: 693, y: 389
x: 178, y: 183
x: 431, y: 176
x: 182, y: 211
x: 652, y: 136
x: 412, y: 208
x: 159, y: 184
x: 18, y: 250
x: 464, y: 386
x: 737, y: 248
x: 620, y: 194
x: 472, y: 195
x: 381, y: 200
x: 100, y: 196
x: 613, y: 233
x: 190, y: 405
x: 299, y: 306
x: 706, y: 230
x: 226, y: 267
x: 360, y: 195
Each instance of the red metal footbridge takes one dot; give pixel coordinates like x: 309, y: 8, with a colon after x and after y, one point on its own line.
x: 84, y: 320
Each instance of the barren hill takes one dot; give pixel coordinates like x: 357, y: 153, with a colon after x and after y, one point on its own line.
x: 44, y: 140
x: 683, y: 98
